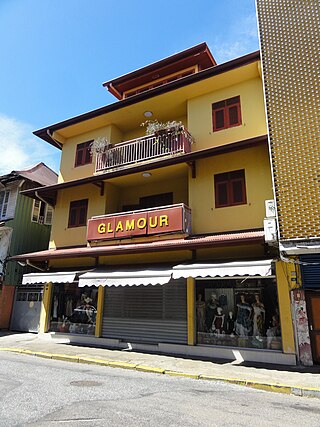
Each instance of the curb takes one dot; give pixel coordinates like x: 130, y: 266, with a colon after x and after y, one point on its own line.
x: 275, y: 388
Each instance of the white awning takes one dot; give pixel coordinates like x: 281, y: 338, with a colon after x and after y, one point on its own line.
x: 230, y: 269
x: 57, y: 277
x: 129, y: 277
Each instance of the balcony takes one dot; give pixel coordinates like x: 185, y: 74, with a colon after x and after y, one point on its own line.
x: 146, y: 149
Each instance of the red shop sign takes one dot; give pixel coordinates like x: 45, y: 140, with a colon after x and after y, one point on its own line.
x: 140, y: 223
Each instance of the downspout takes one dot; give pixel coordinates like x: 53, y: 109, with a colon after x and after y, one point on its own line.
x: 34, y: 266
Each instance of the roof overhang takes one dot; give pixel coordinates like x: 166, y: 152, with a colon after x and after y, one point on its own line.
x: 300, y: 246
x: 199, y: 55
x: 49, y: 193
x: 189, y: 243
x: 47, y: 133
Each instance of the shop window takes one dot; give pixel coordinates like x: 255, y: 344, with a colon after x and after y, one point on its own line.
x: 74, y: 309
x: 230, y: 189
x: 4, y: 201
x: 238, y: 313
x: 83, y: 154
x: 41, y: 213
x: 226, y: 113
x: 78, y: 213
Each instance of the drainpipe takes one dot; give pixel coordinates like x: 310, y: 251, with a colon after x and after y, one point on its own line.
x: 34, y: 266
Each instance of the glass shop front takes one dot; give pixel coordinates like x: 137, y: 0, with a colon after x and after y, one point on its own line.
x: 73, y: 309
x: 238, y: 312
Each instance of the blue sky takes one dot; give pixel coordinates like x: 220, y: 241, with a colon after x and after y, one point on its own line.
x: 56, y: 54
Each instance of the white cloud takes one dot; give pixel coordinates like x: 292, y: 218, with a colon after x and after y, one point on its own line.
x: 20, y: 149
x: 238, y: 40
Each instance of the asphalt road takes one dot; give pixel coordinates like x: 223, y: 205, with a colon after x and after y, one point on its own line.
x: 40, y: 392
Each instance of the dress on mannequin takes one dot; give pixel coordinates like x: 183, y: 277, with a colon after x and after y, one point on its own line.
x: 201, y: 313
x: 55, y: 307
x: 243, y: 321
x: 258, y: 317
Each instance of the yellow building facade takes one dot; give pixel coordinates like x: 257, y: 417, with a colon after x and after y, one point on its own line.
x: 158, y: 232
x: 291, y: 30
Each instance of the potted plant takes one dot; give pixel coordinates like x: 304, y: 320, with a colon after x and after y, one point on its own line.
x: 99, y: 145
x: 165, y: 132
x: 154, y: 127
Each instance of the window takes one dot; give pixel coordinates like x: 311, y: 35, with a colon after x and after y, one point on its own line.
x: 41, y: 213
x: 156, y: 200
x: 153, y: 201
x: 230, y: 189
x: 78, y: 213
x: 226, y: 114
x: 83, y: 154
x: 4, y: 200
x: 160, y: 83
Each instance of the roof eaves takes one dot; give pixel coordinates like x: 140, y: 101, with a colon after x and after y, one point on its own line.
x: 202, y: 47
x: 45, y: 133
x: 185, y: 158
x: 195, y: 242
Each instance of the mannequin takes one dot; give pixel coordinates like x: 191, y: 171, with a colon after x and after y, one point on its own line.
x: 218, y: 322
x: 69, y: 308
x: 273, y: 331
x: 211, y: 310
x: 230, y: 324
x: 55, y: 307
x: 243, y: 321
x: 201, y: 312
x: 258, y: 317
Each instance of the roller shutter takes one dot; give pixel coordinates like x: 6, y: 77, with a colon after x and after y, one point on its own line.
x: 149, y: 314
x: 27, y: 308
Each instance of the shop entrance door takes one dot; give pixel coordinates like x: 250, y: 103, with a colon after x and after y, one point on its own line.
x: 313, y: 305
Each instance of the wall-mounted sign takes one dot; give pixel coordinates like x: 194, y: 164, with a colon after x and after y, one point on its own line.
x: 146, y: 222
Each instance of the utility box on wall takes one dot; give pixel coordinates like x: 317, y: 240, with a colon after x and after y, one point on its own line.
x: 270, y: 230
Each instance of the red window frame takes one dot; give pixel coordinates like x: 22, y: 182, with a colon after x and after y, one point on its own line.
x: 78, y: 213
x: 228, y: 180
x: 229, y: 111
x: 83, y: 154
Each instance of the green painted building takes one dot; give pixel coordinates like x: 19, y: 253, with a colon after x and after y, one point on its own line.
x: 24, y: 227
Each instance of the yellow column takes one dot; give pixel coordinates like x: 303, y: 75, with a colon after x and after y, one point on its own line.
x: 191, y: 310
x: 45, y: 308
x: 100, y: 304
x: 283, y: 274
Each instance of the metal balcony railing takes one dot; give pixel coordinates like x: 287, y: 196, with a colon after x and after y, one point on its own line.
x: 148, y: 148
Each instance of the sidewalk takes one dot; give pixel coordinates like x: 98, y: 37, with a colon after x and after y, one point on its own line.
x: 290, y: 380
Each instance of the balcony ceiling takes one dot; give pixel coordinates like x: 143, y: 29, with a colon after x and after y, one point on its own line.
x: 157, y: 175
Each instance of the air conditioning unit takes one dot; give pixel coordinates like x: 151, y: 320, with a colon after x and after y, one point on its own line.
x: 270, y: 230
x: 270, y: 208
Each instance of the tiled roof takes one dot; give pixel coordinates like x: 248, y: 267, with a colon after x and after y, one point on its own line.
x: 39, y: 174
